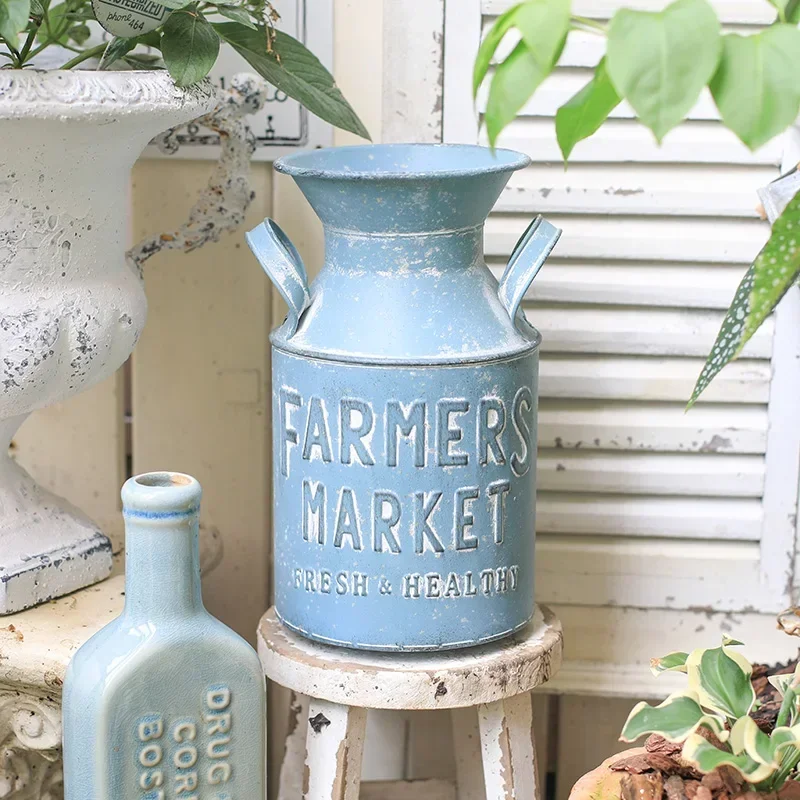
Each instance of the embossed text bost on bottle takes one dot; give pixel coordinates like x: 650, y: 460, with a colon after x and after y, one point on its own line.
x: 165, y: 701
x: 404, y: 403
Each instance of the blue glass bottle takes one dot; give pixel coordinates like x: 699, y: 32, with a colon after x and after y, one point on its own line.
x: 165, y: 701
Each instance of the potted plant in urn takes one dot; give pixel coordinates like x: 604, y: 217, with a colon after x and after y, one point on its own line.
x: 72, y: 307
x: 733, y: 733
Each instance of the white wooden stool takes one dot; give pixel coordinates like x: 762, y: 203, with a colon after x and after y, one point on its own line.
x: 487, y: 689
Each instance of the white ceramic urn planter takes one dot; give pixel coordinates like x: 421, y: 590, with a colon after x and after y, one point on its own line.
x: 71, y: 308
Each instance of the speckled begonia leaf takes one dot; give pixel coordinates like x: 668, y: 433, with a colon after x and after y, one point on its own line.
x: 766, y: 281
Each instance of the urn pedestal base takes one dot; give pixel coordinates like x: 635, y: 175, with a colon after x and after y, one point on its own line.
x: 49, y: 548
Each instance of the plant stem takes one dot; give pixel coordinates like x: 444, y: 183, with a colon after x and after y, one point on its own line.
x: 26, y: 48
x: 592, y: 24
x: 786, y: 707
x: 85, y: 55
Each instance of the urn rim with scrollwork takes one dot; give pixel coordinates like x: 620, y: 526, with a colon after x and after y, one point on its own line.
x: 70, y: 94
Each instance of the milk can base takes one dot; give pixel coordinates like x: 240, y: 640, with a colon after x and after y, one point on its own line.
x: 390, y: 648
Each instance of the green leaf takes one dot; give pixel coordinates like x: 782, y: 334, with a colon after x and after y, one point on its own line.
x: 780, y: 7
x: 672, y: 662
x: 190, y: 46
x: 237, y: 14
x: 55, y: 27
x: 706, y: 757
x: 754, y: 86
x: 503, y: 24
x: 678, y: 716
x: 721, y: 680
x: 765, y: 283
x: 79, y: 34
x: 515, y: 80
x: 586, y: 111
x: 37, y: 9
x: 660, y: 61
x: 13, y: 19
x: 294, y: 70
x: 544, y: 25
x: 117, y: 48
x: 776, y: 267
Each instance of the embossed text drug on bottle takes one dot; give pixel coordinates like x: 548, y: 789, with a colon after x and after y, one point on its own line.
x: 165, y: 701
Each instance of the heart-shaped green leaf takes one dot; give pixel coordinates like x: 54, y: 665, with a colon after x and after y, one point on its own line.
x: 190, y: 46
x: 13, y: 19
x: 514, y: 82
x: 293, y: 69
x: 502, y: 25
x: 721, y: 680
x: 586, y: 111
x: 660, y: 61
x: 754, y: 86
x: 678, y: 716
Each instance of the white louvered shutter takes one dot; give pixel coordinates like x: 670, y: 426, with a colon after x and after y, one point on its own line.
x: 641, y: 504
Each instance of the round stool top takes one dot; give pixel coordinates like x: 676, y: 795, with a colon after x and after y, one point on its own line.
x: 447, y: 679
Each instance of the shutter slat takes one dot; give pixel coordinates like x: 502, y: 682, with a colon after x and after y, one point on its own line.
x: 655, y: 573
x: 626, y: 331
x: 659, y: 379
x: 632, y: 283
x: 565, y: 82
x: 730, y: 11
x: 701, y: 474
x: 624, y: 141
x: 575, y: 424
x: 619, y: 515
x: 651, y: 238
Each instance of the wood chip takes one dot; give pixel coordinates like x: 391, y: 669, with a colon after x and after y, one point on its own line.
x: 673, y: 788
x: 658, y: 744
x: 690, y: 788
x: 642, y: 787
x: 703, y: 793
x: 633, y: 764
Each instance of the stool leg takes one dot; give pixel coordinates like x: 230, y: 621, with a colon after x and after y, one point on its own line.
x: 290, y: 785
x: 334, y: 749
x: 467, y: 749
x: 509, y: 750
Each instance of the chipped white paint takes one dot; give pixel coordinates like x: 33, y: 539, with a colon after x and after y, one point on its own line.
x: 508, y: 749
x: 73, y: 309
x: 487, y: 688
x: 334, y: 749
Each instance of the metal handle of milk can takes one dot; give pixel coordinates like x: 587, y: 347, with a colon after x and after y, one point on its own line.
x: 282, y: 263
x: 527, y: 258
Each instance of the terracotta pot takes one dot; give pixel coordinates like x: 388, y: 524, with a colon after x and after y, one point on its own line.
x: 602, y: 783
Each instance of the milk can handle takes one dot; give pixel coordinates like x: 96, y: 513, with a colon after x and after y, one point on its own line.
x: 282, y: 263
x: 527, y: 258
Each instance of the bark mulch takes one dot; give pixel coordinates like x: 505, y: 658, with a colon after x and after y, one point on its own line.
x: 661, y: 774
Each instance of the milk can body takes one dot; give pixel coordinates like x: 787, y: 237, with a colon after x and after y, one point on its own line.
x: 404, y: 404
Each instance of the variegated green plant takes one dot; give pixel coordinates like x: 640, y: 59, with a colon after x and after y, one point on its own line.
x: 720, y: 698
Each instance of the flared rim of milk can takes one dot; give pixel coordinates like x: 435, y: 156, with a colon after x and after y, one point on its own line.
x: 161, y: 495
x: 401, y: 161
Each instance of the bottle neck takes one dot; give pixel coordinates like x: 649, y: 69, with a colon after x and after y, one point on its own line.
x: 162, y: 564
x: 404, y: 252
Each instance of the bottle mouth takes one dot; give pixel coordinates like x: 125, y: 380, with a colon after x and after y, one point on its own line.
x: 161, y: 495
x: 401, y: 162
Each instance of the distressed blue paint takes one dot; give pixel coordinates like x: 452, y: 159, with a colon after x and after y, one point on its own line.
x: 165, y: 695
x: 404, y: 403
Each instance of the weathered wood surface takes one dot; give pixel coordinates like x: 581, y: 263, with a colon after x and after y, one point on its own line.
x: 450, y: 679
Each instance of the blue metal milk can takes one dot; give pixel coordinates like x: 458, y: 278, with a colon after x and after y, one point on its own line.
x: 404, y: 403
